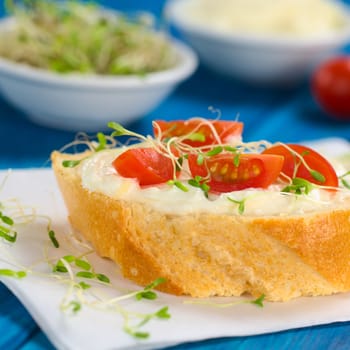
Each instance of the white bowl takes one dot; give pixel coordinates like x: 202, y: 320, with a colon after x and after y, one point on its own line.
x: 87, y: 103
x: 256, y: 58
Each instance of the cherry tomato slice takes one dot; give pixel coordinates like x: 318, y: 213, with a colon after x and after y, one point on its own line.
x: 252, y: 171
x: 146, y: 165
x: 226, y: 130
x: 330, y: 86
x: 313, y: 159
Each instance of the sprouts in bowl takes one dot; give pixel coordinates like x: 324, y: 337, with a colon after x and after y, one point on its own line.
x: 77, y: 67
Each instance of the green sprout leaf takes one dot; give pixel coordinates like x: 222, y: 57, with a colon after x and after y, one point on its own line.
x: 118, y: 129
x: 83, y: 264
x: 194, y: 182
x: 69, y: 258
x: 75, y: 306
x: 178, y: 184
x: 6, y: 230
x: 146, y: 294
x: 7, y: 234
x: 345, y: 183
x: 102, y: 142
x: 85, y: 274
x: 214, y: 151
x: 141, y: 335
x: 236, y: 160
x: 259, y: 301
x: 200, y: 159
x: 241, y: 204
x: 6, y: 219
x: 196, y: 136
x: 155, y: 283
x: 59, y: 267
x: 53, y: 239
x: 199, y: 182
x: 103, y: 278
x: 70, y: 163
x: 163, y: 313
x: 12, y: 273
x: 299, y: 186
x: 317, y: 176
x: 136, y: 334
x: 84, y: 285
x: 179, y: 163
x: 230, y: 149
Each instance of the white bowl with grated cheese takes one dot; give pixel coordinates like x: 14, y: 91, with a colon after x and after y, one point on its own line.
x: 262, y: 41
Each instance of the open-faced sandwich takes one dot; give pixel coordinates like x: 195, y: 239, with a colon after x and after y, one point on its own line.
x: 211, y: 214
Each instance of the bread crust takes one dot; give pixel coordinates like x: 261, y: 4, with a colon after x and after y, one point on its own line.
x: 206, y: 254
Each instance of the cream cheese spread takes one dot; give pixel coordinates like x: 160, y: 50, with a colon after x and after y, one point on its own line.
x: 98, y: 174
x: 296, y: 18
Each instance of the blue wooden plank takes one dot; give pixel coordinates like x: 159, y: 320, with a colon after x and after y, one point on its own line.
x: 38, y: 341
x: 15, y: 322
x: 267, y: 113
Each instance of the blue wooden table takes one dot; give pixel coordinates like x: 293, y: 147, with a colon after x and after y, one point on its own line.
x: 272, y: 114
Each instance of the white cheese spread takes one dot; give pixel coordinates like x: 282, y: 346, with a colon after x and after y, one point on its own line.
x: 298, y: 18
x: 98, y: 174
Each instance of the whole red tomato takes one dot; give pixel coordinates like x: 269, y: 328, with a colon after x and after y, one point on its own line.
x: 331, y: 87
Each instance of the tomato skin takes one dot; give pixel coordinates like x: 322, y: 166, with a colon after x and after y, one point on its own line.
x: 253, y: 171
x: 225, y: 130
x: 314, y: 160
x: 330, y: 86
x: 146, y: 165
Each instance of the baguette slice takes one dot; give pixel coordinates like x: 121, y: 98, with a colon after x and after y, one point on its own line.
x: 206, y: 254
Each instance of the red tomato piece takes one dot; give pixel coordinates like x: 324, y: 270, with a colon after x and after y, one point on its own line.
x: 146, y: 165
x: 312, y: 158
x: 330, y: 86
x: 252, y: 171
x: 196, y: 127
